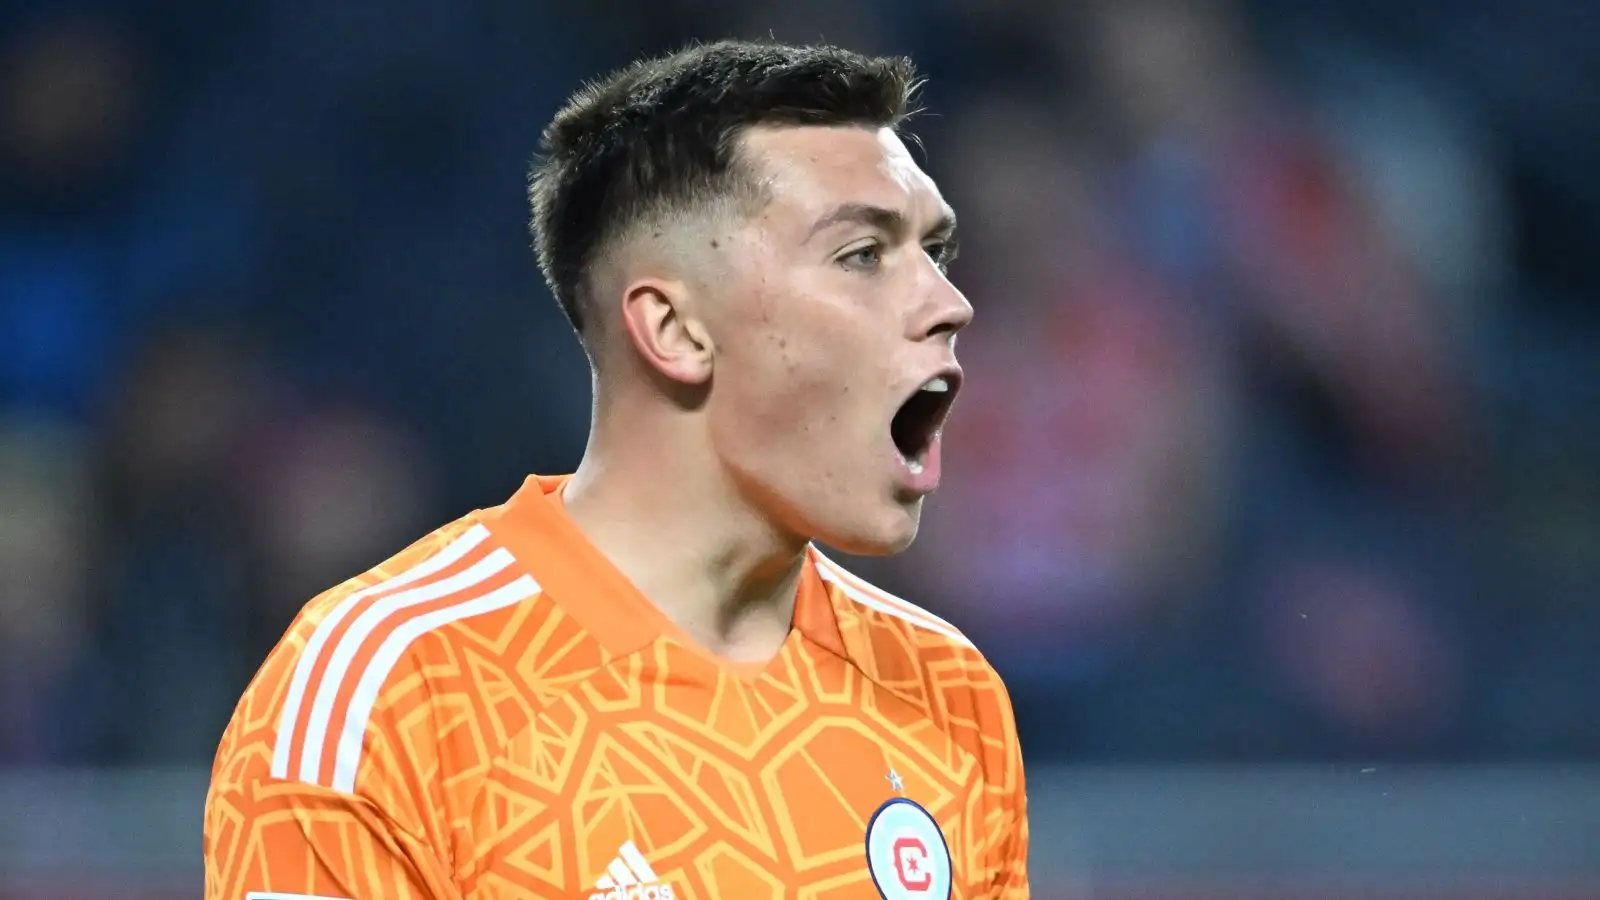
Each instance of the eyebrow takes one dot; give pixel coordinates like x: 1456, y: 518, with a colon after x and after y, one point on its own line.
x: 890, y: 221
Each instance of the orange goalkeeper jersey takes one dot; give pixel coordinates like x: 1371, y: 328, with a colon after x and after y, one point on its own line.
x: 497, y: 712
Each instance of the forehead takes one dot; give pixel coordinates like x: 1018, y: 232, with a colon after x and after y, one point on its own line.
x: 808, y: 170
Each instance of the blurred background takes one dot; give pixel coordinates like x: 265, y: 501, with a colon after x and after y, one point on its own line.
x: 1274, y: 493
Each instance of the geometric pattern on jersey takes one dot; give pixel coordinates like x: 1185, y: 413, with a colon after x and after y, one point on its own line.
x: 496, y: 712
x: 746, y: 788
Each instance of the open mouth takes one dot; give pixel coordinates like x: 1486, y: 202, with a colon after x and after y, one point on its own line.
x: 919, y: 419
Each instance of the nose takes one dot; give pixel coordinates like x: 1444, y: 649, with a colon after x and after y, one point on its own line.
x: 944, y: 312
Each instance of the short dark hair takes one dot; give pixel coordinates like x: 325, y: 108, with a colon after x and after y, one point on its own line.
x: 661, y: 137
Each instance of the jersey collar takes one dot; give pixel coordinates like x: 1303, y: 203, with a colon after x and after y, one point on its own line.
x: 534, y: 526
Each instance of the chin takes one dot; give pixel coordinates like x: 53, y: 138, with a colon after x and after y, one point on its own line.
x: 884, y: 534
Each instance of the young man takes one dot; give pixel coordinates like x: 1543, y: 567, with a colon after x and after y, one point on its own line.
x: 643, y: 680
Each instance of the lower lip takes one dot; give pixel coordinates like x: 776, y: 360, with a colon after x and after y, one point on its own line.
x: 925, y: 480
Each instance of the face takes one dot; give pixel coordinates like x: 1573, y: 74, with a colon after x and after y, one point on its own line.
x: 834, y: 333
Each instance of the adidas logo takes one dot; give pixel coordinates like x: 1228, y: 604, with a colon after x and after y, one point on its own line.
x: 629, y: 877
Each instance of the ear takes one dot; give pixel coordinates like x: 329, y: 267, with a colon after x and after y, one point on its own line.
x: 667, y: 336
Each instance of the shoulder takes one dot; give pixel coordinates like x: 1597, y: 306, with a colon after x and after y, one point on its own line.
x: 875, y: 602
x: 879, y: 607
x: 929, y: 663
x: 363, y: 658
x: 901, y: 633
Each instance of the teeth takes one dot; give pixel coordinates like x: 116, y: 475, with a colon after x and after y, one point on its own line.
x: 937, y: 385
x: 914, y: 466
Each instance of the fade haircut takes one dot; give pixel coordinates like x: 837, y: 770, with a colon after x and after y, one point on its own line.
x: 660, y: 139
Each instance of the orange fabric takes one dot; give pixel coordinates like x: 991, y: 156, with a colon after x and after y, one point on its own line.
x: 497, y: 712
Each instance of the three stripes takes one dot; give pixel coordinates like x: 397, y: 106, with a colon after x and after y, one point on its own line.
x: 347, y: 666
x: 342, y: 669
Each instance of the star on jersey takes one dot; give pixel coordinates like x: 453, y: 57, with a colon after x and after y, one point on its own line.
x: 896, y: 782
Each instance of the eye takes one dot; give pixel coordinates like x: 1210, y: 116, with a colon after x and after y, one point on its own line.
x: 943, y: 253
x: 864, y: 258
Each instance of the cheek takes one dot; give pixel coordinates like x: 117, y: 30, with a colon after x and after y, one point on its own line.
x: 790, y: 386
x: 797, y: 370
x: 793, y: 352
x: 788, y: 397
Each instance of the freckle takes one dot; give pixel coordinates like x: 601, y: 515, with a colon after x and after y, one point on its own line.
x: 656, y: 235
x: 714, y: 243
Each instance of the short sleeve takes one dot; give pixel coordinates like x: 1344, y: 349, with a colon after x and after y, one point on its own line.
x: 1010, y: 849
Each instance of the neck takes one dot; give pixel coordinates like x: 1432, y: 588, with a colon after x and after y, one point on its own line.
x: 670, y: 520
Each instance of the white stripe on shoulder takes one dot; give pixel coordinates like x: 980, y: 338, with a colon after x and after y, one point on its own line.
x: 452, y: 552
x: 874, y: 597
x: 348, y: 756
x: 350, y: 644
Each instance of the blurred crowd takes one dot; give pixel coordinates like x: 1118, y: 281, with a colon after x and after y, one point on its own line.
x: 1279, y: 438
